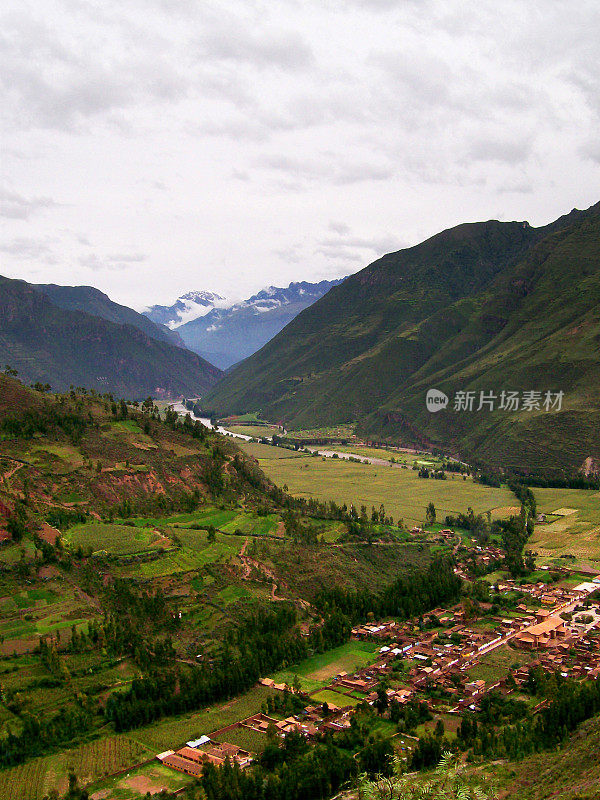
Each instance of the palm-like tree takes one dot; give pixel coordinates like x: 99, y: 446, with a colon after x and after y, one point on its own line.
x: 450, y: 781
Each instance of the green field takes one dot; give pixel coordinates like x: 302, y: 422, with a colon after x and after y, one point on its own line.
x: 403, y: 493
x: 150, y: 778
x: 334, y: 698
x: 173, y: 733
x: 421, y: 459
x: 224, y: 519
x: 258, y: 431
x: 255, y: 741
x: 576, y: 533
x: 195, y: 552
x: 232, y: 594
x: 496, y: 664
x: 26, y: 614
x: 318, y: 670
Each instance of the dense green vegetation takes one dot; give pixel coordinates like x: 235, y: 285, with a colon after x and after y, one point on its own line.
x: 406, y: 597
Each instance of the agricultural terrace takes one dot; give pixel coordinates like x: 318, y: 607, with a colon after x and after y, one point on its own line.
x: 172, y: 733
x: 573, y: 526
x: 193, y: 551
x: 27, y: 614
x: 34, y: 779
x: 318, y: 670
x: 117, y: 539
x: 402, y: 492
x: 223, y: 519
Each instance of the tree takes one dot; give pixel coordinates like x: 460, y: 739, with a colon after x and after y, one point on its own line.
x: 430, y: 513
x: 212, y: 534
x: 450, y: 781
x: 382, y: 701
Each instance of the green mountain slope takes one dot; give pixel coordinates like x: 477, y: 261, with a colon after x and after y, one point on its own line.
x: 569, y: 773
x: 493, y: 306
x: 53, y: 345
x: 93, y: 301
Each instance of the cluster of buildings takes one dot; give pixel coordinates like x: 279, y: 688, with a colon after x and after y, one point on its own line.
x: 564, y: 634
x: 310, y: 722
x: 192, y: 758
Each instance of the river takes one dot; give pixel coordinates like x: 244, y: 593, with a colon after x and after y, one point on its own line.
x: 181, y: 409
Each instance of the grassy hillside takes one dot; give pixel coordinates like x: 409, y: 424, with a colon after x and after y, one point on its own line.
x: 61, y: 347
x: 139, y: 544
x: 536, y: 328
x: 77, y: 452
x: 571, y: 773
x: 489, y: 306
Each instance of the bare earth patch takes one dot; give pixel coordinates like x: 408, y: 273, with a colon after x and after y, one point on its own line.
x: 143, y: 784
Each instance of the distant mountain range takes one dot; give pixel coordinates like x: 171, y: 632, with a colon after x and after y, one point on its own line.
x: 225, y: 333
x: 77, y: 335
x: 186, y: 308
x: 490, y: 306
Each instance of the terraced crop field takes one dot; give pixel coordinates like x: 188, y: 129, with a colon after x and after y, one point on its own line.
x: 116, y: 539
x: 173, y: 733
x: 34, y: 779
x: 575, y: 530
x: 195, y: 552
x: 27, y: 614
x: 227, y: 520
x: 318, y: 670
x: 251, y: 740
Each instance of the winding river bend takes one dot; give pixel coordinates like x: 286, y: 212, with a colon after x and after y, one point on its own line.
x: 181, y: 409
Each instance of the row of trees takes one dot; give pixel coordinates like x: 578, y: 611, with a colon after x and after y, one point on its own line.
x: 572, y: 703
x: 266, y: 640
x: 408, y: 596
x: 296, y: 771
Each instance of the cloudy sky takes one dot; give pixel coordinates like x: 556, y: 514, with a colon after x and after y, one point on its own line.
x: 156, y: 146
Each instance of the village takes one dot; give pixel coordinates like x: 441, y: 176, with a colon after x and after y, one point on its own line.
x: 558, y: 627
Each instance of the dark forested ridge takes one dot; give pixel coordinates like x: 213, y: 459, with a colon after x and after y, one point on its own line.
x: 62, y: 347
x: 92, y: 301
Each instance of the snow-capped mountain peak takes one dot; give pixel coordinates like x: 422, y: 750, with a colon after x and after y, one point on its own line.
x: 186, y: 308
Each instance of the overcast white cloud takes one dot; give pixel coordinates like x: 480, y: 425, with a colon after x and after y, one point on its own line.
x: 158, y: 146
